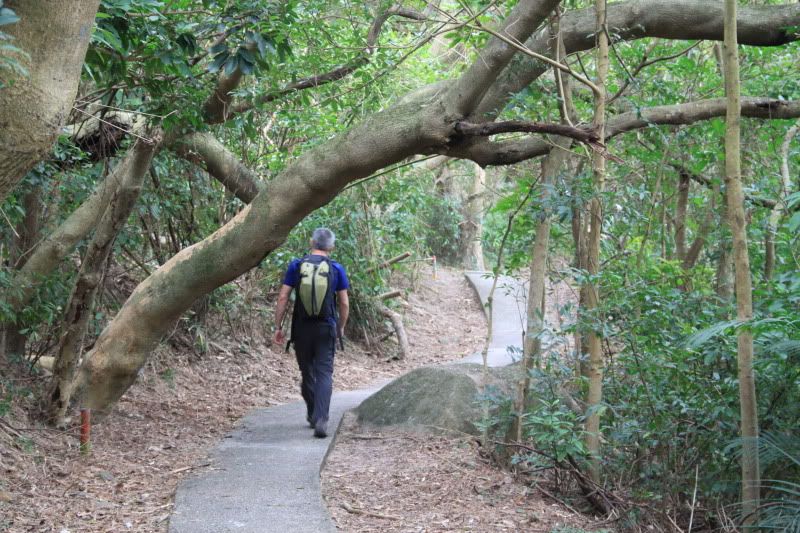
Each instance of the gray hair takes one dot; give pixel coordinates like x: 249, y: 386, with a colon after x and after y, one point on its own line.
x: 323, y: 239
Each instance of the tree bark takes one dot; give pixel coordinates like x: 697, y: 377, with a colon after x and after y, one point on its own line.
x: 91, y: 273
x: 33, y: 108
x: 595, y: 393
x: 744, y: 303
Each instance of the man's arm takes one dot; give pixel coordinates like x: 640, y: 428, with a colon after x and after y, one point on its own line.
x: 280, y: 312
x: 344, y: 309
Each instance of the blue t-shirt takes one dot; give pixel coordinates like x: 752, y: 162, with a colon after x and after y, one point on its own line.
x: 292, y: 277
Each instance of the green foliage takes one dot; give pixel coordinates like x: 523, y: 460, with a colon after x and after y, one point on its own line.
x: 12, y: 58
x: 556, y: 431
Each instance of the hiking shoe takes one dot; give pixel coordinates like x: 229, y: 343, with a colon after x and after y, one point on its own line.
x: 321, y: 428
x: 310, y: 422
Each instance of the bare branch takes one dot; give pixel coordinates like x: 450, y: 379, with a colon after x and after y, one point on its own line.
x: 488, y: 153
x: 636, y: 19
x: 467, y: 92
x: 468, y: 129
x: 535, y: 55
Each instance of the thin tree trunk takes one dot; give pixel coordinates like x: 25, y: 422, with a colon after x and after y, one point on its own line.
x: 472, y: 229
x: 780, y: 204
x: 531, y: 349
x: 89, y: 279
x: 744, y: 304
x: 536, y: 305
x: 680, y: 215
x: 595, y: 394
x: 33, y: 108
x: 579, y: 236
x: 28, y: 232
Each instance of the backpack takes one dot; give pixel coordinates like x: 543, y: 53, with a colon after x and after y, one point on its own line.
x: 316, y: 298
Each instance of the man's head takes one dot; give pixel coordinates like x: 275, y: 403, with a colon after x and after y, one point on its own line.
x: 323, y: 239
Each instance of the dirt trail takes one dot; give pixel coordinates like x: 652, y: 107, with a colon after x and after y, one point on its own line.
x: 391, y: 480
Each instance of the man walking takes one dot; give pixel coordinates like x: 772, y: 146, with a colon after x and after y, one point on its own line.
x: 321, y: 290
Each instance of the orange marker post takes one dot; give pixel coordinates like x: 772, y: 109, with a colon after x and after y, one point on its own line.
x: 86, y: 431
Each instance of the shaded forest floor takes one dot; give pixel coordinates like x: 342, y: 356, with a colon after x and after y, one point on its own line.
x: 392, y: 480
x: 398, y: 481
x: 184, y: 402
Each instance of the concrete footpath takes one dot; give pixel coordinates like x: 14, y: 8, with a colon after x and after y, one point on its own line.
x: 265, y: 475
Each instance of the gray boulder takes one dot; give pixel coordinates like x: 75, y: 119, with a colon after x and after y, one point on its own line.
x: 441, y: 398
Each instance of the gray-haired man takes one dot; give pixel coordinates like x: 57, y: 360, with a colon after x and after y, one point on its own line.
x: 315, y: 326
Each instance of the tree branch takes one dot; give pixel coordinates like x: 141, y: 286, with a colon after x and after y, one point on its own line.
x: 205, y: 150
x: 488, y: 153
x: 707, y: 182
x: 468, y: 129
x: 466, y: 93
x: 636, y: 19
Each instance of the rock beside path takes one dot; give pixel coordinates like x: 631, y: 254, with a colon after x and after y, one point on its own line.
x: 442, y: 398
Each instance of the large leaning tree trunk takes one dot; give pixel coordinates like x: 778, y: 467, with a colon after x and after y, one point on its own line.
x: 90, y: 277
x: 595, y: 393
x: 34, y: 108
x: 421, y: 122
x: 426, y: 122
x: 741, y: 261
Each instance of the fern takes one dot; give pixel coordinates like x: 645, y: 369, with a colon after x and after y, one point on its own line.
x: 781, y: 511
x: 786, y: 349
x: 703, y: 336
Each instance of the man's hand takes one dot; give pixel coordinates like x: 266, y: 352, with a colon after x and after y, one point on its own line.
x: 280, y: 337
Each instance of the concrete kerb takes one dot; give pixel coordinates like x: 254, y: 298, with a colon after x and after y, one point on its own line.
x: 266, y: 473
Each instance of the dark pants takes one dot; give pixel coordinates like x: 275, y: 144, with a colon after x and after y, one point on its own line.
x: 315, y: 345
